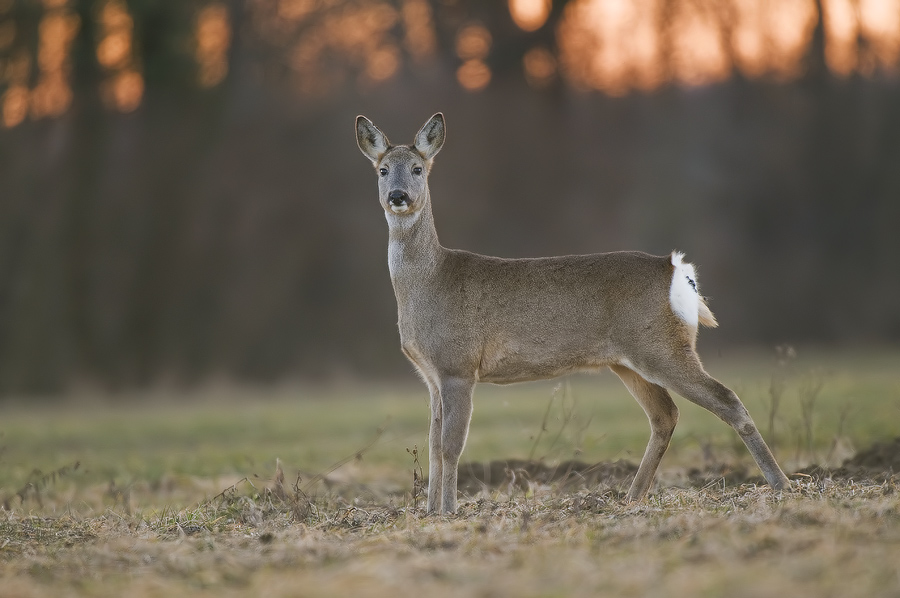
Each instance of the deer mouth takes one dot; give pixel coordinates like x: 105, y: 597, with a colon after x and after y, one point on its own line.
x: 398, y: 201
x: 400, y: 205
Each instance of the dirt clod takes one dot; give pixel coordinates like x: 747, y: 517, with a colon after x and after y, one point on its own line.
x: 880, y: 457
x: 879, y: 463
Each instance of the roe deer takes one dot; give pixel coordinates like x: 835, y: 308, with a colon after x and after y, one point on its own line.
x: 467, y: 318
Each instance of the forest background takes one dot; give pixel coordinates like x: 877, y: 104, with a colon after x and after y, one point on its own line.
x: 182, y: 199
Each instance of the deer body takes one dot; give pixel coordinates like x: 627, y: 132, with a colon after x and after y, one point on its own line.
x: 467, y: 318
x: 529, y: 319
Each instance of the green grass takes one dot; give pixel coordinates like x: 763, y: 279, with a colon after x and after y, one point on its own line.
x: 159, y: 438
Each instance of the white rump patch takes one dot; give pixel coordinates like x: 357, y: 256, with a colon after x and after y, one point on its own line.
x: 684, y: 294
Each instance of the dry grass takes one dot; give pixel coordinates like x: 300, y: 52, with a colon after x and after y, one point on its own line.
x: 827, y: 537
x: 156, y: 498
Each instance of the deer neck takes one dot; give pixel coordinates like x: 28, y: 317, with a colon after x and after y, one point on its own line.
x: 414, y: 252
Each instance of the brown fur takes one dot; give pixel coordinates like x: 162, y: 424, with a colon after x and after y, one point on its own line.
x: 467, y: 318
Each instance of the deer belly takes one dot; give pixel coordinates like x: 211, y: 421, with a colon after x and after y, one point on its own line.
x: 509, y: 362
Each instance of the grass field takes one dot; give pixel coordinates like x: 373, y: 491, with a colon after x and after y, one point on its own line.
x: 308, y: 491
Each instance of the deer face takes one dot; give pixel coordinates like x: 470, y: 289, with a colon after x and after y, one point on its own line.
x: 402, y: 180
x: 403, y: 169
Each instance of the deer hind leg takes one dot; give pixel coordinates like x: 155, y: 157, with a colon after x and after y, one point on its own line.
x: 663, y: 415
x: 688, y: 378
x: 456, y: 414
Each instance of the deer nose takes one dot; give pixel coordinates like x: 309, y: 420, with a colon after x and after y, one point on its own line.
x: 398, y: 197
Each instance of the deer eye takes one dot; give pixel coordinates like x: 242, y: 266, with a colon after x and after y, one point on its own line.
x: 417, y: 170
x: 382, y: 171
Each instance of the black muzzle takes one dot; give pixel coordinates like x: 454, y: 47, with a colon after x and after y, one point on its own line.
x: 398, y: 198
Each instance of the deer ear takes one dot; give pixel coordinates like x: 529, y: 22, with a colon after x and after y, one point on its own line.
x: 430, y: 137
x: 371, y: 141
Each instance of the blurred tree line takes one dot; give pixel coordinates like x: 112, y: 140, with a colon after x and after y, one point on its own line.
x: 181, y: 197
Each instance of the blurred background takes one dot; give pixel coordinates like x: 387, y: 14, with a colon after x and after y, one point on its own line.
x: 182, y: 199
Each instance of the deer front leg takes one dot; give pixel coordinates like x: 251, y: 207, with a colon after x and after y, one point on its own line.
x: 456, y: 413
x: 435, y: 462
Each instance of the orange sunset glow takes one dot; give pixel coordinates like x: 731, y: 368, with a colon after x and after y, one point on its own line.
x: 612, y: 46
x: 213, y: 35
x: 124, y: 85
x: 618, y: 45
x: 529, y: 15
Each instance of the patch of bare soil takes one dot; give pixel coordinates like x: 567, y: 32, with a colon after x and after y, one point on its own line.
x: 879, y: 463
